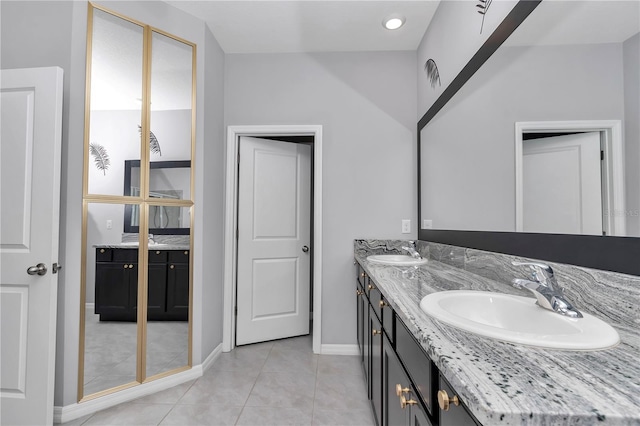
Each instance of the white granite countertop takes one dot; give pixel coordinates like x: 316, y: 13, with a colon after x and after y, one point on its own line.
x: 507, y: 384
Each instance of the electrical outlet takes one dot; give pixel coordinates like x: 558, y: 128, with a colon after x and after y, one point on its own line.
x: 427, y: 224
x: 406, y: 226
x: 109, y: 224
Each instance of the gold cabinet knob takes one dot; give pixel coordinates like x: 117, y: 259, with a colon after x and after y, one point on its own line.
x: 444, y: 400
x: 101, y: 250
x: 376, y: 332
x: 172, y: 266
x: 400, y: 390
x: 130, y: 266
x: 404, y: 402
x: 186, y: 252
x: 362, y: 274
x: 371, y: 287
x: 359, y: 292
x: 382, y: 303
x: 157, y: 251
x: 126, y: 266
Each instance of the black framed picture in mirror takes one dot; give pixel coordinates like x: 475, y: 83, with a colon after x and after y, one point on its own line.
x: 168, y: 180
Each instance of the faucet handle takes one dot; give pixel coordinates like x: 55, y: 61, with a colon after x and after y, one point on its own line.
x: 541, y: 270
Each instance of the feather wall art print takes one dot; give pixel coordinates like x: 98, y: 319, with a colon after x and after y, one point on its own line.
x: 433, y: 74
x: 483, y: 8
x: 100, y: 157
x: 154, y: 145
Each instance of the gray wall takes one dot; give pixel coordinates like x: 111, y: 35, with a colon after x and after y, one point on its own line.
x: 212, y: 202
x: 366, y: 104
x: 36, y: 34
x: 468, y: 168
x: 631, y: 51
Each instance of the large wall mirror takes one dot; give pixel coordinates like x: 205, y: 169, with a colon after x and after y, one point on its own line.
x: 136, y: 292
x: 538, y: 152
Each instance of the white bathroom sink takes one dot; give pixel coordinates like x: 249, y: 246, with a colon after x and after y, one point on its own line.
x: 135, y: 244
x: 396, y: 259
x: 518, y: 320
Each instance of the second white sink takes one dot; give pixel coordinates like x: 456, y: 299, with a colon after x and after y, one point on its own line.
x: 396, y: 259
x: 519, y: 320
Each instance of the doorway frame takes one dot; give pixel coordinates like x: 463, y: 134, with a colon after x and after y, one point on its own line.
x: 613, y: 188
x: 231, y: 223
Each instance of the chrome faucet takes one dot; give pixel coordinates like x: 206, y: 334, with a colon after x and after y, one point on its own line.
x: 546, y: 289
x: 411, y: 248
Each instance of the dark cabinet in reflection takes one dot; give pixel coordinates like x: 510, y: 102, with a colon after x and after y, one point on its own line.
x: 116, y: 284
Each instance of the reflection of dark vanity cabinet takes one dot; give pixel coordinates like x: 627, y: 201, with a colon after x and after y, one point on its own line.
x: 117, y: 278
x: 116, y: 284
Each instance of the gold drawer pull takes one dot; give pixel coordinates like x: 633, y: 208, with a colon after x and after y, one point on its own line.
x: 186, y: 252
x: 404, y: 402
x: 376, y: 332
x: 382, y: 303
x: 171, y: 267
x: 400, y: 390
x: 157, y: 251
x: 126, y: 266
x: 363, y: 275
x: 444, y: 400
x: 371, y: 287
x: 359, y: 293
x: 130, y: 266
x: 101, y: 250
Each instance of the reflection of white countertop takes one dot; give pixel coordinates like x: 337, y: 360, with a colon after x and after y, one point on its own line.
x: 508, y: 384
x: 151, y: 246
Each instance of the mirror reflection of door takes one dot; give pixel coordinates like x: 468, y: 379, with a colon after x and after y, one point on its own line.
x: 562, y: 185
x: 137, y: 283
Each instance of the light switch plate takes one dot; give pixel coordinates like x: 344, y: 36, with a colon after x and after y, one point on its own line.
x: 406, y: 226
x: 109, y: 224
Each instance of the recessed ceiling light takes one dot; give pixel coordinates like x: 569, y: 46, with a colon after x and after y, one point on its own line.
x: 393, y: 22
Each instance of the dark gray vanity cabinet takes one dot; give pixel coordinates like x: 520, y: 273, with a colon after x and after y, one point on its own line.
x: 116, y: 284
x: 403, y: 384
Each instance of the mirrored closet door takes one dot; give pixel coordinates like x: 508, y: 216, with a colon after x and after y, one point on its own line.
x: 136, y: 292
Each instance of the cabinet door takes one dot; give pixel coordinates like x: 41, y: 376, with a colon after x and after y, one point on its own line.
x: 418, y: 416
x: 114, y: 299
x: 455, y: 415
x: 178, y: 291
x: 376, y: 365
x: 366, y: 344
x: 157, y: 296
x: 360, y: 306
x: 393, y: 376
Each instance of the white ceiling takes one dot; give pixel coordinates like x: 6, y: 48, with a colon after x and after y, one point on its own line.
x: 271, y: 26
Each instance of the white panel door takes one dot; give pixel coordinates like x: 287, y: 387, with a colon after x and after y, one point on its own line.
x: 562, y: 184
x: 31, y: 114
x: 273, y: 240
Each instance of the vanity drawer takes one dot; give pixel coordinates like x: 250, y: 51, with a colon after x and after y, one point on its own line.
x: 416, y: 362
x: 125, y: 255
x: 157, y: 256
x: 374, y: 298
x: 179, y: 256
x: 104, y: 255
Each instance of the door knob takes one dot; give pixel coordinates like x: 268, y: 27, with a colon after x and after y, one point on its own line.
x: 39, y: 269
x: 305, y: 249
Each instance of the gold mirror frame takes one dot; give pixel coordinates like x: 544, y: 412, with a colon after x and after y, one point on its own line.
x: 143, y: 201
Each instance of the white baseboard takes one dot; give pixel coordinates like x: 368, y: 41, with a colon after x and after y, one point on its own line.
x: 339, y: 349
x: 75, y: 411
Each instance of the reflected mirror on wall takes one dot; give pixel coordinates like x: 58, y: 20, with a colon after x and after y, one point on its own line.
x: 136, y: 241
x: 168, y: 180
x: 556, y: 75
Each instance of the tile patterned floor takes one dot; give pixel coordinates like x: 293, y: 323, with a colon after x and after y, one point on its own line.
x: 271, y: 383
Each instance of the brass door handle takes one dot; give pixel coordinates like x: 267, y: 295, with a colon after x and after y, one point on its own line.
x: 444, y: 400
x: 400, y: 390
x: 404, y: 402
